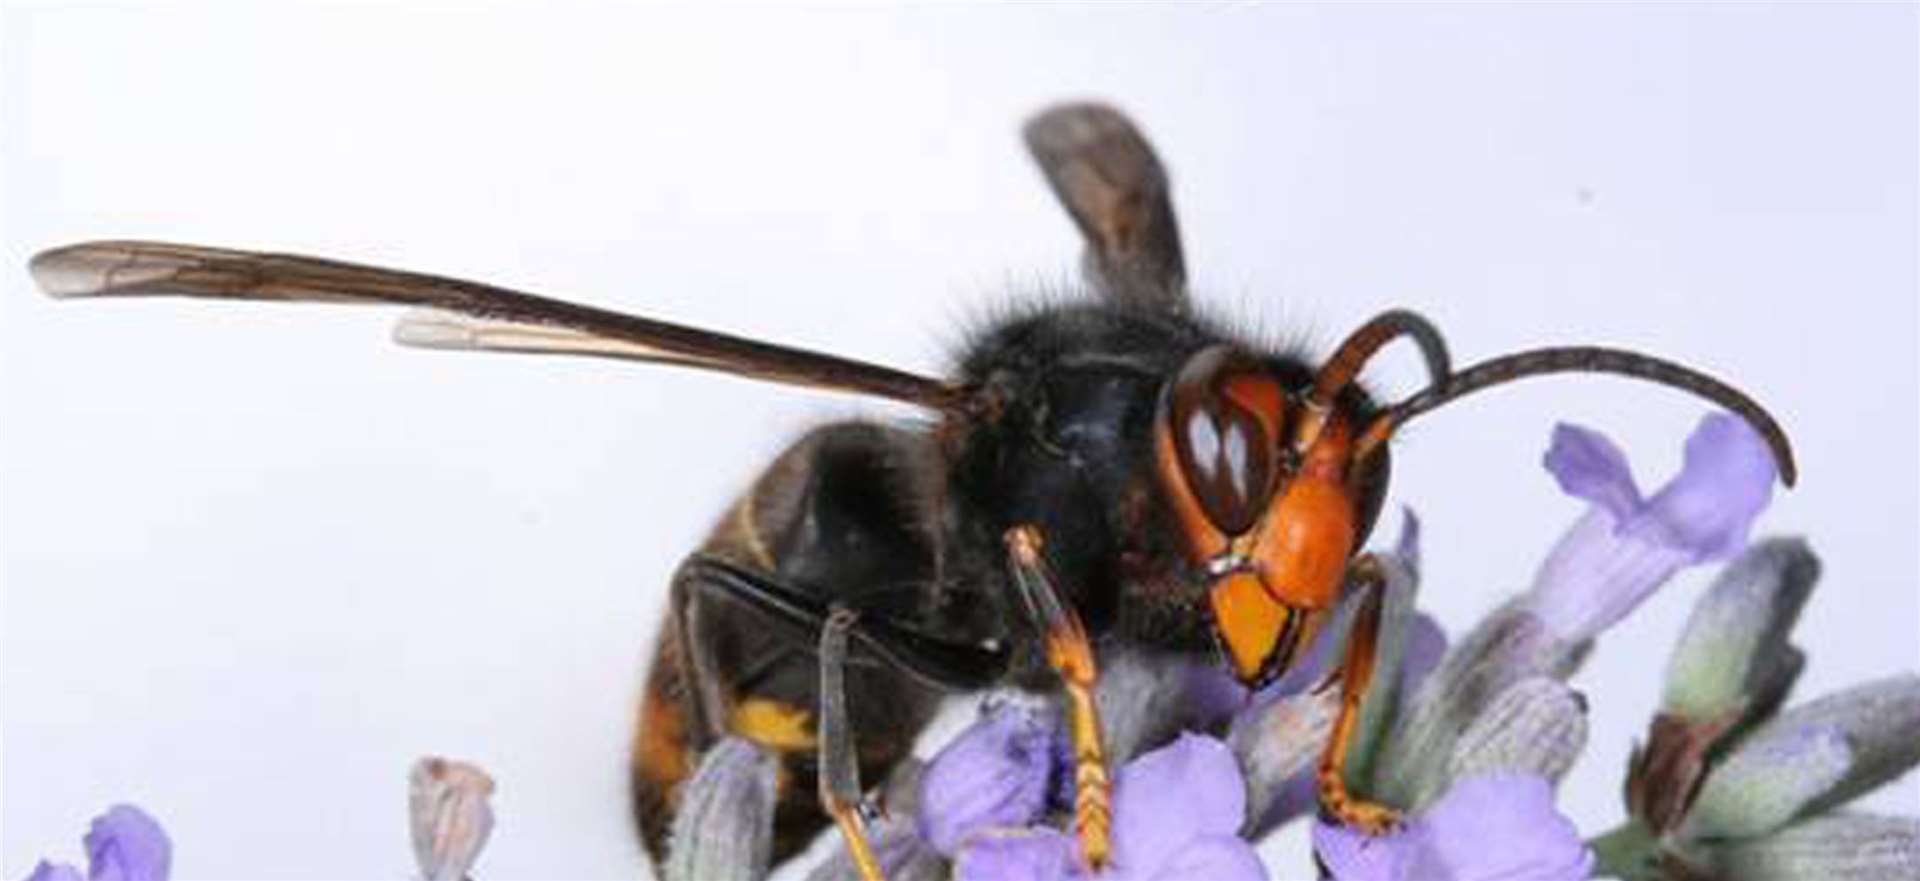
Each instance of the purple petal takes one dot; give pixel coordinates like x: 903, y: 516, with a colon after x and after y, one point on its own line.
x: 1215, y: 858
x: 1407, y: 547
x: 1312, y: 666
x: 1595, y: 575
x: 1424, y: 643
x: 1211, y: 695
x: 1515, y: 810
x: 1351, y: 855
x: 127, y: 845
x: 1169, y: 798
x: 1061, y: 790
x: 1589, y: 466
x: 1489, y: 828
x: 993, y: 775
x: 46, y: 871
x: 1604, y: 567
x: 1039, y: 854
x: 1726, y: 482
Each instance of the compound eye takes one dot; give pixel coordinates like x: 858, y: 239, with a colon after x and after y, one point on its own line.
x: 1225, y: 418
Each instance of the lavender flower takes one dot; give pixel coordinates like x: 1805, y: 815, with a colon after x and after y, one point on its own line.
x: 995, y: 775
x: 1469, y: 740
x: 1450, y: 840
x: 1603, y: 567
x: 1624, y: 548
x: 985, y: 800
x: 1496, y: 781
x: 123, y: 844
x: 1487, y: 734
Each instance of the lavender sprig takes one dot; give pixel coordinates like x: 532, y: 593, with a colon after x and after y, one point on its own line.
x: 1468, y: 740
x: 123, y: 844
x: 1177, y: 810
x: 1728, y: 785
x: 1485, y: 737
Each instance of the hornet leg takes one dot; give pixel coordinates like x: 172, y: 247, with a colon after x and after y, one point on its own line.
x: 1355, y: 673
x: 840, y: 793
x: 1071, y: 655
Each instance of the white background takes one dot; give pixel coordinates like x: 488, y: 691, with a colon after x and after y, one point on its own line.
x: 256, y: 559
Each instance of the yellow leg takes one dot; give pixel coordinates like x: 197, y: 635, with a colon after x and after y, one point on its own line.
x: 1069, y: 653
x: 839, y: 769
x: 1355, y: 674
x: 854, y: 830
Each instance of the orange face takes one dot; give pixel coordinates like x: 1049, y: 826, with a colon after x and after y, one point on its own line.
x: 1271, y: 523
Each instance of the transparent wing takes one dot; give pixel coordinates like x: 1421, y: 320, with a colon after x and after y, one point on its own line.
x: 461, y: 314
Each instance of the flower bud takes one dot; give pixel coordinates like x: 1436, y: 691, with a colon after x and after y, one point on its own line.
x: 1537, y: 726
x: 1734, y: 656
x: 1767, y: 780
x: 724, y: 827
x: 1858, y: 847
x: 447, y: 803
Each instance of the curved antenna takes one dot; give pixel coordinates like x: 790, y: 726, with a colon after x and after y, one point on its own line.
x: 1582, y: 359
x: 1359, y: 347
